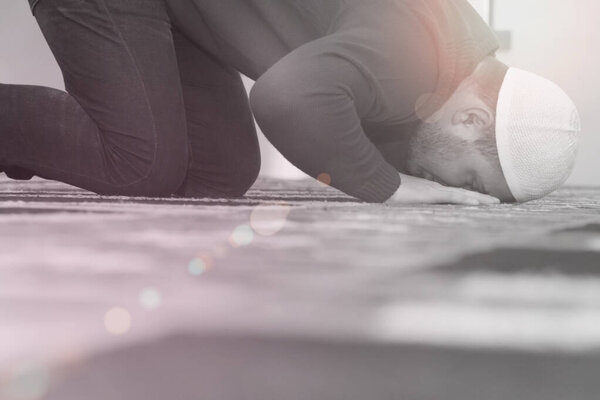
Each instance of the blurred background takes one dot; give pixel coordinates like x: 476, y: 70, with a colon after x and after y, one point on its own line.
x: 555, y: 38
x: 298, y: 294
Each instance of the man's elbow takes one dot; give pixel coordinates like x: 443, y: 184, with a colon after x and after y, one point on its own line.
x: 276, y: 101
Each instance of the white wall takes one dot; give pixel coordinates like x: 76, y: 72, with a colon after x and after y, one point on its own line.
x: 273, y: 165
x: 556, y: 38
x: 560, y: 40
x: 24, y: 56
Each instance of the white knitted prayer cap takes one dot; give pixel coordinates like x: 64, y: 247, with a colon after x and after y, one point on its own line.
x: 537, y: 132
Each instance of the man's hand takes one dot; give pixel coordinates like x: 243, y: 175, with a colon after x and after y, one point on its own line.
x: 421, y: 191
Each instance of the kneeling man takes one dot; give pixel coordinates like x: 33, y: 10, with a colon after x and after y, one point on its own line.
x: 398, y: 101
x: 354, y: 92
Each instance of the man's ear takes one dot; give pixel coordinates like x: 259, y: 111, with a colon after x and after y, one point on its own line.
x: 474, y: 116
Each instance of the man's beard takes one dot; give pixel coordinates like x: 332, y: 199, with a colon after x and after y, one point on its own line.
x: 431, y: 141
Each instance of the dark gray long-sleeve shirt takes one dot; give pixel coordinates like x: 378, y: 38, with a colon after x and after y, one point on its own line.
x: 330, y: 71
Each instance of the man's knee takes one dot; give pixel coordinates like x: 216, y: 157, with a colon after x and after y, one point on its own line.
x: 158, y: 173
x: 238, y: 174
x: 164, y: 179
x: 246, y: 175
x: 231, y: 178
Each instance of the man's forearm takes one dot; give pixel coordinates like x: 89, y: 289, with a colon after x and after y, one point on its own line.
x: 322, y: 140
x: 308, y: 107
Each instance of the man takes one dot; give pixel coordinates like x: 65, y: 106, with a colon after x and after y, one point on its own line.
x: 380, y: 99
x: 147, y: 113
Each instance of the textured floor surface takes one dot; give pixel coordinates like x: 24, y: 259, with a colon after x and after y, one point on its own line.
x: 296, y: 292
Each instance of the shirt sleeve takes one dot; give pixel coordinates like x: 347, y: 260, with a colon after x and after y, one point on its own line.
x: 310, y: 105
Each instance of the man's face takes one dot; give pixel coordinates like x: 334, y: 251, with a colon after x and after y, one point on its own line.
x: 439, y: 154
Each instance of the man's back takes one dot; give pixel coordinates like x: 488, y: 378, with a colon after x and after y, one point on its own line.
x: 252, y: 35
x: 336, y: 65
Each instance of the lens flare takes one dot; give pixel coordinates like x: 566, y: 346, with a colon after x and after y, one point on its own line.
x: 150, y: 298
x: 27, y: 381
x: 268, y: 220
x: 117, y: 321
x: 197, y: 266
x: 242, y: 236
x: 324, y: 179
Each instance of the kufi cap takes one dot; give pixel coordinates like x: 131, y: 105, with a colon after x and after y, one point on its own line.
x: 537, y: 132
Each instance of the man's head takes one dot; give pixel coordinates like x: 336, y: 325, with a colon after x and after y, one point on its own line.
x: 475, y: 140
x: 457, y: 145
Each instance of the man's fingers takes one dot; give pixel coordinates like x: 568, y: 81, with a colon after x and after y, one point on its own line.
x: 462, y: 196
x: 487, y: 199
x: 421, y: 191
x: 482, y: 198
x: 451, y: 196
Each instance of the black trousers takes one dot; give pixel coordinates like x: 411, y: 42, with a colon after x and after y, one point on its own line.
x: 146, y: 113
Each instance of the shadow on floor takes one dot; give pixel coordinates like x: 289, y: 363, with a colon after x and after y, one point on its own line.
x: 229, y: 368
x: 568, y: 263
x: 591, y: 228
